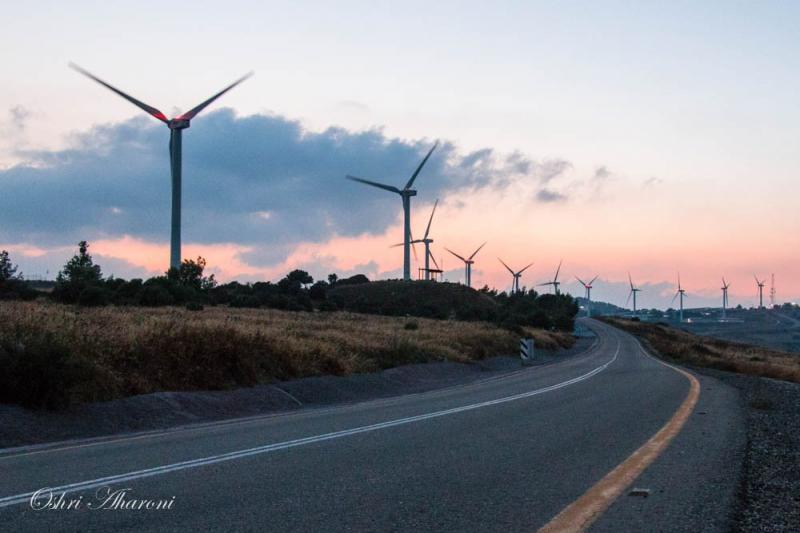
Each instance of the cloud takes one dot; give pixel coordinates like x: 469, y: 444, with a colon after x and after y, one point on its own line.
x: 549, y: 196
x: 652, y: 182
x: 19, y: 117
x: 256, y: 190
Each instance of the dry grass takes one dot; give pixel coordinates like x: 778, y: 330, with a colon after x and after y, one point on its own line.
x: 120, y: 351
x: 695, y: 350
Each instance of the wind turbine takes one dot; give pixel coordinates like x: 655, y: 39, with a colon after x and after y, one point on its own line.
x: 555, y: 283
x: 725, y: 286
x: 176, y: 126
x: 680, y: 292
x: 427, y: 242
x: 515, y: 276
x: 468, y: 262
x: 760, y: 291
x: 588, y: 287
x: 633, y: 292
x: 405, y: 193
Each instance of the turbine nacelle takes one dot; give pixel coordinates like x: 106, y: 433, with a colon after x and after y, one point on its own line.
x: 178, y: 123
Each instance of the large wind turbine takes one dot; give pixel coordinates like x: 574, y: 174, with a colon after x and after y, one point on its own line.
x: 405, y: 193
x: 176, y: 126
x: 588, y: 287
x: 725, y: 286
x: 427, y: 242
x: 515, y: 276
x: 468, y: 262
x: 680, y: 292
x: 633, y: 292
x: 555, y: 283
x: 760, y: 291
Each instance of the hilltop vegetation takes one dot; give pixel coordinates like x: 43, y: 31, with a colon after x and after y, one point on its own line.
x: 53, y: 355
x: 81, y: 282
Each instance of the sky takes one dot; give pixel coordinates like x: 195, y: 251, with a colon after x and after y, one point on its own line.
x: 644, y: 137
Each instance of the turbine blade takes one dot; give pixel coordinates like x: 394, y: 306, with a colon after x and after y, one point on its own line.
x: 629, y: 297
x: 375, y: 184
x: 416, y: 172
x: 630, y: 280
x: 594, y: 279
x: 478, y: 250
x: 582, y: 283
x: 455, y: 254
x: 673, y: 299
x: 141, y: 105
x: 434, y: 261
x: 505, y: 265
x: 195, y: 110
x: 428, y: 229
x: 524, y: 269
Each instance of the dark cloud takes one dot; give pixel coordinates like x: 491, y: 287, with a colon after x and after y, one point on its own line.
x: 549, y: 196
x: 114, y: 179
x: 601, y: 174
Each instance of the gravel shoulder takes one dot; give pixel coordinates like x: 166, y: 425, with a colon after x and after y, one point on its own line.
x: 769, y: 494
x: 20, y: 426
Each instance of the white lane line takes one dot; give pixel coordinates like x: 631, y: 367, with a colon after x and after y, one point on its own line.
x: 17, y: 499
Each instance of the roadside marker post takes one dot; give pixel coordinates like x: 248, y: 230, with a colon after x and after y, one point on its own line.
x: 526, y: 351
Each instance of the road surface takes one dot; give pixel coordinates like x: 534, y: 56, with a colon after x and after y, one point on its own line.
x: 507, y: 454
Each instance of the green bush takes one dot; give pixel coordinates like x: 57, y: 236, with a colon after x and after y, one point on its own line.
x: 40, y: 372
x: 94, y: 297
x: 154, y: 295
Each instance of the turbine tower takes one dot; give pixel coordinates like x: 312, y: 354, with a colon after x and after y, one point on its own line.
x: 680, y: 292
x: 588, y: 287
x: 725, y: 286
x: 555, y: 283
x: 176, y: 126
x: 760, y: 291
x: 468, y: 262
x: 515, y: 276
x: 633, y: 292
x: 405, y: 193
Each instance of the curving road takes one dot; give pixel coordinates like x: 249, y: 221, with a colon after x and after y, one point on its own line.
x: 506, y: 454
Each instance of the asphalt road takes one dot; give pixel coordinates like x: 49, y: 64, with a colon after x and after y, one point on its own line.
x: 507, y: 454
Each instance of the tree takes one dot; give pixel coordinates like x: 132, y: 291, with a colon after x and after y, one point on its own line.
x: 81, y: 268
x: 332, y: 279
x: 8, y: 271
x: 190, y: 274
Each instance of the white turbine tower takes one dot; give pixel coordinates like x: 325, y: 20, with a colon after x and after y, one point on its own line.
x: 555, y: 283
x: 680, y: 292
x: 760, y: 291
x: 468, y: 262
x: 725, y: 286
x: 588, y: 287
x: 405, y: 193
x: 515, y: 276
x: 633, y: 292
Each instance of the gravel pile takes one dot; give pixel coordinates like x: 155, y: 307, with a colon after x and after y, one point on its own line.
x: 770, y: 491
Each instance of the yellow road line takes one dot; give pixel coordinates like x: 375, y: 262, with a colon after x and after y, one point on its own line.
x: 581, y: 513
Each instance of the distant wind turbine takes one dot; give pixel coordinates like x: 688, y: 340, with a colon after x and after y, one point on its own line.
x: 427, y: 242
x: 633, y: 292
x: 760, y: 291
x: 405, y: 193
x: 588, y: 287
x: 176, y: 126
x: 680, y: 292
x: 725, y: 286
x: 515, y: 276
x: 555, y: 283
x: 468, y: 262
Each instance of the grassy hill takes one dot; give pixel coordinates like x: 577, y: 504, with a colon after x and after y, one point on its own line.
x: 54, y: 354
x: 421, y: 298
